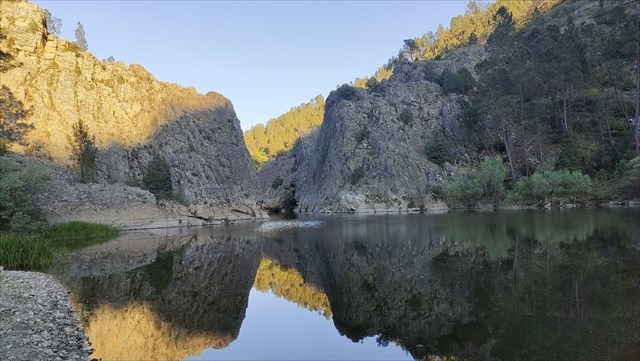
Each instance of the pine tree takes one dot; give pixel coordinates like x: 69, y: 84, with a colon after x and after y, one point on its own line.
x: 54, y: 24
x: 81, y: 39
x: 83, y: 151
x: 157, y: 178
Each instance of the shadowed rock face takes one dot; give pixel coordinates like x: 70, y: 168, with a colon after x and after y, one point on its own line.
x: 131, y: 114
x: 205, y: 151
x: 369, y: 153
x: 180, y: 303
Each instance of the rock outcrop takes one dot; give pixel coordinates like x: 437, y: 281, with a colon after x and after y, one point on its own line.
x: 369, y: 153
x: 132, y: 115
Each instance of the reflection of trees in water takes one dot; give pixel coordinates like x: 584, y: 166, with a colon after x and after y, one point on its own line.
x: 181, y: 303
x: 287, y: 282
x: 556, y: 285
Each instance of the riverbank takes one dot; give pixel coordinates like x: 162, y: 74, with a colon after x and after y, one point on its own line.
x: 37, y: 321
x: 131, y: 208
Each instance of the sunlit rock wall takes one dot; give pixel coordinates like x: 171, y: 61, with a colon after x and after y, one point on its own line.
x: 131, y: 114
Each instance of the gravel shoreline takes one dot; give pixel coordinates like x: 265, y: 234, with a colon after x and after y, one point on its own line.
x: 37, y: 322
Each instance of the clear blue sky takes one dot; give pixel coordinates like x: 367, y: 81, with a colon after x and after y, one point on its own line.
x: 266, y: 57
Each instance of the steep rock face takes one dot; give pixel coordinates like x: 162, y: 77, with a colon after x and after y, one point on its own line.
x: 131, y: 114
x: 369, y: 153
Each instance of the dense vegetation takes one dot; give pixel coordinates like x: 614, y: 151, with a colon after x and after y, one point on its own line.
x: 280, y: 134
x: 36, y: 250
x: 19, y: 186
x: 488, y: 183
x: 555, y: 101
x: 26, y: 240
x: 550, y: 97
x: 475, y: 26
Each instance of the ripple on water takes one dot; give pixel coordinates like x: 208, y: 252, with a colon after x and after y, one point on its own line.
x: 277, y: 226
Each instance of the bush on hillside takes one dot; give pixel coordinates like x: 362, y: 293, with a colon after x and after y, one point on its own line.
x: 553, y: 186
x: 157, y: 178
x: 19, y: 186
x: 472, y: 185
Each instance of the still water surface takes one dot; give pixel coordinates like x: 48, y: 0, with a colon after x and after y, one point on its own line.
x: 505, y: 286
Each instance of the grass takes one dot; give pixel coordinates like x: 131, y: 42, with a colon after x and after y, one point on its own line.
x: 76, y: 235
x: 28, y: 252
x: 37, y: 251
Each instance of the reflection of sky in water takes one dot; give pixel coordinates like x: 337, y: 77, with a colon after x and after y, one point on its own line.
x: 275, y: 329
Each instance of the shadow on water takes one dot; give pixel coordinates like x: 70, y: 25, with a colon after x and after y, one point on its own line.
x: 503, y: 286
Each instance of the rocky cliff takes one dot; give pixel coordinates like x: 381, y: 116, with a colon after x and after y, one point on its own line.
x: 131, y: 114
x: 369, y: 153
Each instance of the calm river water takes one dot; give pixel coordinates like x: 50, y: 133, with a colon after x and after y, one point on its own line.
x: 509, y: 285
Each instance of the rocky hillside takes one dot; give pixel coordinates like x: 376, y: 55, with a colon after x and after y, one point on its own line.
x: 554, y: 94
x: 369, y: 153
x: 132, y: 115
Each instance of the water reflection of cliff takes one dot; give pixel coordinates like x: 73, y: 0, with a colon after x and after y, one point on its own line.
x: 521, y: 285
x: 183, y: 301
x: 492, y: 286
x: 288, y: 283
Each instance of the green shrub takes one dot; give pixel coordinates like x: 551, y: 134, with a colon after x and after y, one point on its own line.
x: 463, y: 189
x: 181, y: 198
x: 362, y: 134
x: 277, y: 182
x: 470, y: 186
x: 627, y: 183
x: 357, y: 175
x: 574, y: 154
x: 429, y: 72
x: 346, y: 92
x: 491, y: 174
x: 76, y: 235
x: 372, y: 83
x: 19, y: 186
x: 439, y: 149
x: 460, y: 82
x: 157, y: 178
x: 406, y: 117
x: 553, y: 186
